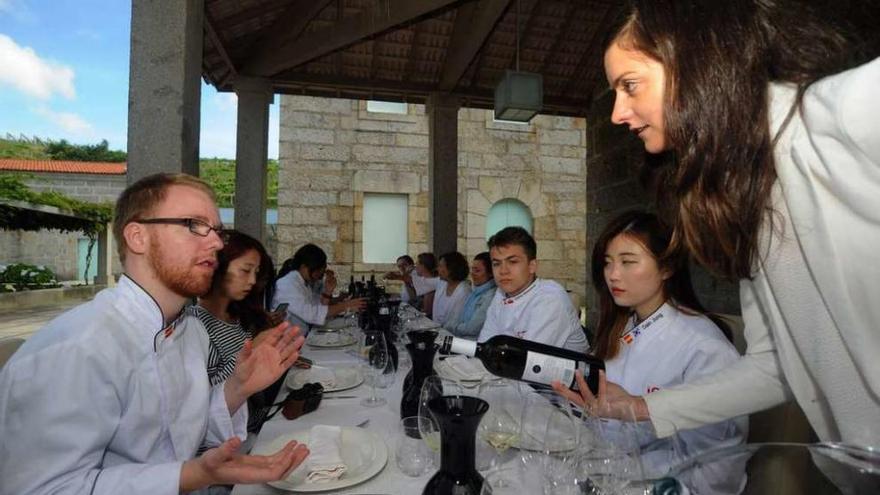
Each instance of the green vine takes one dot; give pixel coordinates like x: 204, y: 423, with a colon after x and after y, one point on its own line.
x: 90, y: 218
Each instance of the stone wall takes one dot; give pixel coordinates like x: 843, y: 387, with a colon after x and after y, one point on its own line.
x: 332, y: 151
x: 614, y: 160
x: 54, y: 249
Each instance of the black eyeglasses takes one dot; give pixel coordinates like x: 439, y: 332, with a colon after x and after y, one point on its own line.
x: 194, y: 225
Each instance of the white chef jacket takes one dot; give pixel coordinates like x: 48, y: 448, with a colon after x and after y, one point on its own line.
x: 542, y: 312
x: 306, y: 308
x: 811, y: 310
x: 106, y: 399
x: 447, y: 308
x: 669, y: 348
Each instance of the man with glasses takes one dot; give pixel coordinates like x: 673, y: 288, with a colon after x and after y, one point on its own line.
x: 113, y: 397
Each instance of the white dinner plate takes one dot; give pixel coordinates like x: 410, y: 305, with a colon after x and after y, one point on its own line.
x: 363, y: 452
x: 335, y: 324
x: 332, y: 379
x: 334, y: 339
x: 462, y: 369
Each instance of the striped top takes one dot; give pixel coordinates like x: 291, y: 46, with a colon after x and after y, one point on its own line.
x: 226, y: 340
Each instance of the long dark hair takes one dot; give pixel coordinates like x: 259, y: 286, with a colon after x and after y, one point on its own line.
x: 310, y: 255
x: 655, y: 236
x: 250, y: 311
x: 719, y: 58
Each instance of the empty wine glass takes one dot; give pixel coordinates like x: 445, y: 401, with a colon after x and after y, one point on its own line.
x: 373, y: 351
x: 513, y: 480
x: 411, y: 453
x: 610, y: 453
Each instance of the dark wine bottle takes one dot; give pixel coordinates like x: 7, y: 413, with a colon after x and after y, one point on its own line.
x: 528, y: 361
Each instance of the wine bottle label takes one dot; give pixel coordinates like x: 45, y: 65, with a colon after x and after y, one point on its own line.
x: 541, y: 368
x: 463, y: 346
x: 383, y: 310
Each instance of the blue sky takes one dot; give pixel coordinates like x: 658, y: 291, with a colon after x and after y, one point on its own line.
x: 64, y: 75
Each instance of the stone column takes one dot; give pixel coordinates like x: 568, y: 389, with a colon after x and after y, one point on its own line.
x: 164, y: 87
x: 251, y: 154
x: 442, y: 113
x: 105, y: 257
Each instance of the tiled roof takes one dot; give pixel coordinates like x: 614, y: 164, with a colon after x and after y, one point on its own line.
x: 62, y: 167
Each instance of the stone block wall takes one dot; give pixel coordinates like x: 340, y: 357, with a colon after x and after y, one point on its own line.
x: 332, y: 151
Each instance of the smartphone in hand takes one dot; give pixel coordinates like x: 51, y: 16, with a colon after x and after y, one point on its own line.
x: 281, y: 308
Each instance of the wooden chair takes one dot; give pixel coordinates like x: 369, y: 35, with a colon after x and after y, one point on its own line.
x: 8, y: 348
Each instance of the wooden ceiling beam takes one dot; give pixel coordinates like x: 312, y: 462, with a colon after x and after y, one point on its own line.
x: 474, y: 23
x: 566, y: 25
x: 218, y: 43
x: 279, y: 53
x: 583, y: 64
x: 289, y: 26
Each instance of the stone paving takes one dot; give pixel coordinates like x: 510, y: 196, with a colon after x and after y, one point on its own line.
x: 24, y: 322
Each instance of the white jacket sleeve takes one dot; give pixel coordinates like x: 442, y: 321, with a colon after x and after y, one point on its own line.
x: 753, y: 383
x: 72, y: 398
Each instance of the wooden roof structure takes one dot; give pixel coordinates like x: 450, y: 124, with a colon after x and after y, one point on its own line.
x: 405, y: 50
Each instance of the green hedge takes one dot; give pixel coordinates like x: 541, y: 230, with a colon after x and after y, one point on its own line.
x: 23, y: 276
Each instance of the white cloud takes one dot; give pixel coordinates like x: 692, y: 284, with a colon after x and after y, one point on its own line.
x: 24, y: 70
x: 69, y: 122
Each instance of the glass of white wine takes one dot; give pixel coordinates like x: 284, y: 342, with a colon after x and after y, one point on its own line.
x: 499, y: 427
x: 429, y: 427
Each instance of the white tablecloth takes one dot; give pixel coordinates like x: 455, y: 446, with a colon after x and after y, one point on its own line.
x: 384, y: 421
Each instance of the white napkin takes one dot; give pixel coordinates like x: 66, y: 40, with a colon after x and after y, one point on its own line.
x: 324, y: 461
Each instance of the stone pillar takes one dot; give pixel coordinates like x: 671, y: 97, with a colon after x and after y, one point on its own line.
x: 442, y: 113
x: 164, y: 87
x: 105, y: 257
x: 251, y: 155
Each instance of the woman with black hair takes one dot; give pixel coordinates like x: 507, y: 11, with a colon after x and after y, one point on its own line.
x: 233, y: 311
x: 307, y: 286
x: 653, y: 334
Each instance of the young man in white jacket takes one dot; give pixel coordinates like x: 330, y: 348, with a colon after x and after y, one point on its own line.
x: 524, y: 305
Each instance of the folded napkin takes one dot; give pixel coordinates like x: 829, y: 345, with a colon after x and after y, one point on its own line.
x: 325, y: 461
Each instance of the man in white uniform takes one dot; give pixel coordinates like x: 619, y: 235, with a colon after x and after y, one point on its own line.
x: 525, y: 306
x: 112, y: 396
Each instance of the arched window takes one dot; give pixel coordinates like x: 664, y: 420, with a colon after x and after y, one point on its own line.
x: 505, y: 213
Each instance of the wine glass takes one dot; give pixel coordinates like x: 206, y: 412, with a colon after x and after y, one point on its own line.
x: 513, y: 480
x: 499, y: 427
x: 549, y: 438
x: 376, y: 360
x: 432, y: 387
x: 611, y: 452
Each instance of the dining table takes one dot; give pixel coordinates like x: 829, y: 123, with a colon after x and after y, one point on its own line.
x: 343, y: 408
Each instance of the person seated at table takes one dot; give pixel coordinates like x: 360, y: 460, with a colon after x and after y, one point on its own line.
x: 233, y: 311
x: 422, y: 281
x: 111, y: 397
x: 524, y: 305
x: 452, y: 287
x: 307, y: 286
x: 473, y: 314
x: 653, y: 333
x: 405, y: 265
